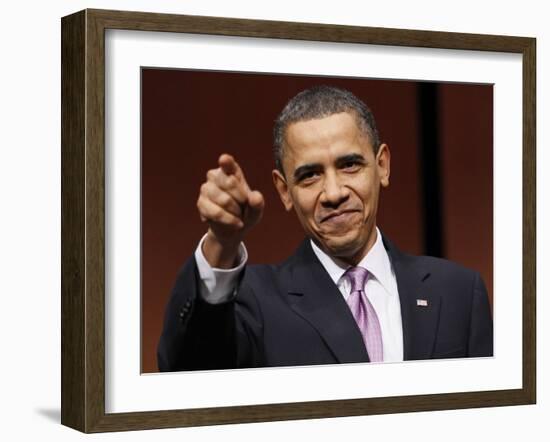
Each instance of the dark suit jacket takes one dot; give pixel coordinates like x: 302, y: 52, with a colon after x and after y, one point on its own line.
x: 293, y: 314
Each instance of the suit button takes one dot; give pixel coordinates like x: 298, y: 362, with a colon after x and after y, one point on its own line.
x: 185, y: 309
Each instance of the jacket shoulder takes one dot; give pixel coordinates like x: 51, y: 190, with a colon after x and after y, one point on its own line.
x: 440, y: 264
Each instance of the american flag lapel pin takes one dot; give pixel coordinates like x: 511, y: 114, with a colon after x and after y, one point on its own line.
x: 422, y: 303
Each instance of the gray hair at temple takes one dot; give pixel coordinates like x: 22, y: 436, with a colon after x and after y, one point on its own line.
x: 320, y: 102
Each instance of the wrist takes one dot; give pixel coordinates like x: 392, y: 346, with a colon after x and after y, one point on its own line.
x: 221, y: 253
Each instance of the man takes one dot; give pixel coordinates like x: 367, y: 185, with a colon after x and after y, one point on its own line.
x: 347, y: 294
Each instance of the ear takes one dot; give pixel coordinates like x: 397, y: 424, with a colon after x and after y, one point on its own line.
x: 383, y: 164
x: 282, y: 188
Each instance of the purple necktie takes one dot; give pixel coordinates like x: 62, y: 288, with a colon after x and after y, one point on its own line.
x: 364, y: 313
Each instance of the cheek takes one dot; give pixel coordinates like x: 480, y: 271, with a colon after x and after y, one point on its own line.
x: 304, y: 204
x: 367, y: 192
x: 371, y: 205
x: 369, y: 199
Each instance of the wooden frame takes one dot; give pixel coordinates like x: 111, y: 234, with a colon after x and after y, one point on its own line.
x: 83, y: 217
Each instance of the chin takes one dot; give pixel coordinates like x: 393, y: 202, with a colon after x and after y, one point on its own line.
x: 342, y: 249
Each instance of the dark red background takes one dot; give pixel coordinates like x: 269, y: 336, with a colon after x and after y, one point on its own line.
x: 190, y: 117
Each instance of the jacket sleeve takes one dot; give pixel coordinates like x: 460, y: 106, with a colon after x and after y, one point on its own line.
x: 481, y: 323
x: 201, y: 336
x: 196, y: 335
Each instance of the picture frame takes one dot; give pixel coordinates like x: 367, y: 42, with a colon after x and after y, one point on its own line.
x: 83, y: 220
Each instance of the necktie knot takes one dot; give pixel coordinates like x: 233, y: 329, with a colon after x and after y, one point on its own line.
x: 357, y: 277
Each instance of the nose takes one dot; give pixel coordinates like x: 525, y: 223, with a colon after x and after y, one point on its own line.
x: 334, y: 191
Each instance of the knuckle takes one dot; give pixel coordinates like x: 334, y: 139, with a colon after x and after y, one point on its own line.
x: 231, y: 181
x: 200, y: 207
x: 225, y: 199
x: 199, y: 202
x: 211, y: 174
x: 217, y: 213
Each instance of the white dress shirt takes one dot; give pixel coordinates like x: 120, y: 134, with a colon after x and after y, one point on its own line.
x: 218, y: 285
x: 380, y: 289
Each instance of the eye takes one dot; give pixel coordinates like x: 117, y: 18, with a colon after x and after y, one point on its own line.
x: 308, y: 177
x: 351, y: 166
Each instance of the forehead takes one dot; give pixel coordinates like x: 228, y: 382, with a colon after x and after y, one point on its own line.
x: 337, y: 134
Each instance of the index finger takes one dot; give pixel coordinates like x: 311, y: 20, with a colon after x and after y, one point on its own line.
x: 229, y: 166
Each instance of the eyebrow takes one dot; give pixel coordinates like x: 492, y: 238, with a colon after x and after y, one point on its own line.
x: 351, y: 158
x: 315, y: 167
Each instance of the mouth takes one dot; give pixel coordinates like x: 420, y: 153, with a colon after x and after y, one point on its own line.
x: 338, y: 216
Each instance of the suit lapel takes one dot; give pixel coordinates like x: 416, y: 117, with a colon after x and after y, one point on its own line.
x: 313, y: 295
x: 420, y: 304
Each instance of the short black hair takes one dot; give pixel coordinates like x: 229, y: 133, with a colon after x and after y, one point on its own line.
x: 320, y: 102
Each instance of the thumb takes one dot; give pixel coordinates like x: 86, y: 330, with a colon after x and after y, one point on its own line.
x: 256, y: 205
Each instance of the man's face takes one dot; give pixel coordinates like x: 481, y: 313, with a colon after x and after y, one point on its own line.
x: 333, y: 181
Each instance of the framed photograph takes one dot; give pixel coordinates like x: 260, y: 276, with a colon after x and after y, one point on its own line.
x: 150, y: 102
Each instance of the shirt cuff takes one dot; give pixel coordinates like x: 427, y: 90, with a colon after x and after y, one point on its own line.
x: 218, y: 285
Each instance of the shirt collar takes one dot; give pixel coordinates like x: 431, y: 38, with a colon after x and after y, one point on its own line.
x: 377, y: 262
